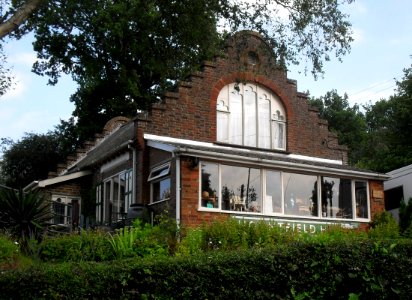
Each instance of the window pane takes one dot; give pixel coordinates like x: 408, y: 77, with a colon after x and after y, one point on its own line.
x: 361, y: 199
x: 116, y: 205
x: 250, y: 117
x: 223, y: 127
x: 159, y: 172
x: 264, y: 123
x: 278, y: 129
x: 273, y: 199
x: 161, y: 189
x: 336, y: 198
x: 241, y: 189
x: 300, y: 193
x: 122, y: 199
x: 107, y: 202
x: 69, y: 214
x: 236, y: 119
x: 98, y: 203
x: 58, y: 211
x: 210, y: 185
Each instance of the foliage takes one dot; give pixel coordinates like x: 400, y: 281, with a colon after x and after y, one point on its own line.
x: 125, y: 54
x: 233, y: 234
x: 336, y: 270
x: 6, y: 78
x: 405, y: 217
x: 264, y: 262
x: 89, y: 245
x: 8, y: 250
x: 35, y: 155
x: 124, y: 239
x: 384, y: 226
x: 142, y: 239
x: 24, y: 215
x: 389, y: 142
x: 346, y: 121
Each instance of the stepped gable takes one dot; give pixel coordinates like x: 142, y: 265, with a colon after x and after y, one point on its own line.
x: 102, y: 146
x: 190, y: 113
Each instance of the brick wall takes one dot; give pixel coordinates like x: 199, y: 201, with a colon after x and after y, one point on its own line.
x: 377, y: 197
x: 190, y: 113
x: 189, y: 215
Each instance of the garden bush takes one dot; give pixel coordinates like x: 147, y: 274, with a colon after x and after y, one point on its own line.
x: 89, y: 245
x: 365, y: 269
x: 384, y: 226
x: 8, y: 250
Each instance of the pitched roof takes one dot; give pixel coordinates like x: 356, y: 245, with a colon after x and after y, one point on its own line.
x: 112, y: 144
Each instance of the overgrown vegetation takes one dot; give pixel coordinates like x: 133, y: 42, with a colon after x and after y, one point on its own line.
x: 233, y: 259
x: 24, y: 215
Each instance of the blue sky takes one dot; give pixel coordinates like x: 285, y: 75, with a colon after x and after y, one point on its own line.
x: 381, y: 50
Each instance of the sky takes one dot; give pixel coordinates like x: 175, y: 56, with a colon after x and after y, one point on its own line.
x: 381, y: 50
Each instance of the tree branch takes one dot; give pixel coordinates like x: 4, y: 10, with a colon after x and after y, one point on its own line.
x: 18, y: 18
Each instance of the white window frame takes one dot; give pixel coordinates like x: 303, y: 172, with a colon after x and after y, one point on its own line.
x: 368, y: 207
x: 276, y: 119
x: 66, y: 201
x: 263, y: 212
x: 105, y: 196
x: 99, y: 203
x: 157, y: 175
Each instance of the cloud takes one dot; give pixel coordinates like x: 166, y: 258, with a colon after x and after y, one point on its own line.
x: 22, y: 58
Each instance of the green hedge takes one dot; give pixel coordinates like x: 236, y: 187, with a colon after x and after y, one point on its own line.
x: 363, y: 269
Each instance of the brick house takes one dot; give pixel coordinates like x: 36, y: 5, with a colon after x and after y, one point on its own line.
x: 234, y: 140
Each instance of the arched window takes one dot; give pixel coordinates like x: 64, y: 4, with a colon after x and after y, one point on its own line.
x: 250, y: 115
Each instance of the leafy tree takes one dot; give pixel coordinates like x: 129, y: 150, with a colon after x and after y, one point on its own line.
x: 6, y: 79
x: 24, y: 215
x: 389, y: 127
x: 125, y: 54
x: 346, y: 121
x: 35, y: 155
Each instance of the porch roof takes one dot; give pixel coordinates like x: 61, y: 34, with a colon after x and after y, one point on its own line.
x: 281, y: 161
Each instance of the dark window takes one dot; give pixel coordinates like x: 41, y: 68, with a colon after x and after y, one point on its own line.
x: 393, y: 198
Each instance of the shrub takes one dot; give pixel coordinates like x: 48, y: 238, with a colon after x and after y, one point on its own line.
x: 191, y: 242
x: 142, y: 239
x: 8, y: 250
x: 25, y: 215
x: 384, y: 226
x: 89, y: 245
x: 235, y: 234
x: 297, y: 270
